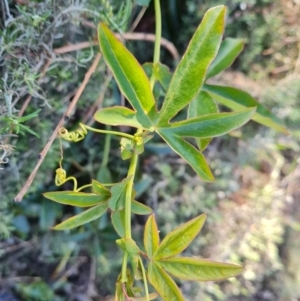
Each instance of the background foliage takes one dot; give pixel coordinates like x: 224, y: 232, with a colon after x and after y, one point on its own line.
x: 253, y: 200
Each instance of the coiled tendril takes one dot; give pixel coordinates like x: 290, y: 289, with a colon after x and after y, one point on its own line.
x: 75, y: 136
x: 61, y: 178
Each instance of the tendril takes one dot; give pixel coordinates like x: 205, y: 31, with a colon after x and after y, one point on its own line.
x: 75, y: 136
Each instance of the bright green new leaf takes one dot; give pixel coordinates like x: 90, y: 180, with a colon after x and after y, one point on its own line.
x: 100, y: 189
x: 129, y: 74
x: 207, y: 126
x: 151, y: 236
x: 78, y: 199
x: 163, y: 283
x: 228, y: 52
x: 129, y: 246
x: 83, y: 217
x: 118, y: 221
x: 202, y: 104
x: 117, y: 199
x: 199, y: 269
x: 140, y: 209
x: 190, y: 154
x: 191, y: 71
x: 117, y: 116
x: 179, y: 239
x: 236, y: 99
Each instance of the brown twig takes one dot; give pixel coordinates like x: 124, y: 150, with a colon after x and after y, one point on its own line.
x: 128, y: 36
x: 70, y: 108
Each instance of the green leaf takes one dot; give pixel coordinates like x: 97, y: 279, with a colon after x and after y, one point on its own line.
x: 151, y: 296
x: 130, y: 247
x: 190, y: 73
x: 129, y: 74
x: 207, y: 126
x: 236, y: 99
x: 199, y: 269
x: 78, y: 199
x: 117, y: 199
x: 118, y: 221
x: 202, y: 104
x: 140, y: 209
x: 163, y: 283
x: 104, y: 174
x: 228, y: 52
x: 151, y: 236
x: 117, y: 116
x: 83, y: 217
x: 179, y: 239
x: 161, y: 72
x: 190, y: 154
x: 142, y: 2
x: 100, y: 189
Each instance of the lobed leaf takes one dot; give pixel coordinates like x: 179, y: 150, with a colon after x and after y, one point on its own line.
x: 130, y: 247
x: 100, y: 189
x: 199, y: 269
x: 118, y: 221
x: 202, y: 104
x: 117, y: 116
x: 163, y: 283
x: 78, y: 199
x: 151, y: 236
x: 83, y: 217
x: 190, y: 72
x: 207, y: 126
x: 228, y: 52
x: 130, y: 76
x: 190, y: 154
x: 179, y: 239
x: 140, y: 209
x: 117, y: 199
x: 236, y: 99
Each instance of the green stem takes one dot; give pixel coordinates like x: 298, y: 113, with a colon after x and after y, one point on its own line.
x: 109, y: 132
x: 106, y: 148
x: 157, y: 39
x: 83, y: 187
x: 144, y: 279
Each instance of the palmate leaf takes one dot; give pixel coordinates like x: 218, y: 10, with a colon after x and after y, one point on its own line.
x: 191, y: 71
x: 206, y: 126
x: 117, y: 116
x: 117, y: 199
x: 163, y: 283
x: 180, y: 238
x: 236, y: 99
x: 82, y: 218
x: 199, y: 269
x: 228, y: 52
x: 78, y: 199
x: 130, y: 76
x: 202, y: 104
x: 151, y: 236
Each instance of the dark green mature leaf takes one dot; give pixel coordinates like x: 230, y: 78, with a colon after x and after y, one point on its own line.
x: 228, y: 52
x: 190, y: 154
x: 118, y: 221
x: 130, y: 76
x: 129, y: 246
x: 202, y: 104
x: 190, y: 73
x: 117, y: 199
x: 208, y: 125
x: 83, y: 217
x: 163, y: 283
x: 179, y: 239
x: 151, y: 236
x: 78, y: 199
x: 236, y: 99
x: 140, y: 209
x: 199, y: 269
x: 117, y: 116
x: 100, y: 189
